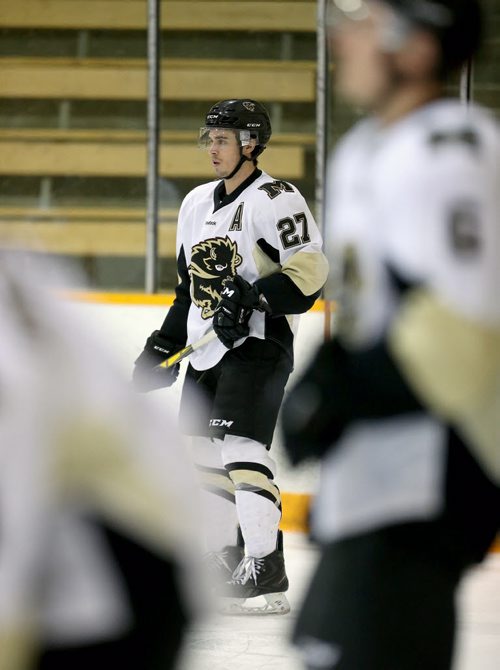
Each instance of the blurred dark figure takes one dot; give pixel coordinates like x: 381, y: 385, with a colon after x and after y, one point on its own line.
x: 403, y: 405
x: 98, y: 523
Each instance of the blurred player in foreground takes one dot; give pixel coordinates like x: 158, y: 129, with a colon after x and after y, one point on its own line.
x: 248, y: 258
x: 403, y: 404
x: 96, y: 501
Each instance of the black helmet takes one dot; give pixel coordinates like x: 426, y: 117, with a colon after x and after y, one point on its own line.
x: 455, y: 23
x: 244, y: 115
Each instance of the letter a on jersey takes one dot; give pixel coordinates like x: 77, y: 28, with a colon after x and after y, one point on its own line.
x: 237, y: 219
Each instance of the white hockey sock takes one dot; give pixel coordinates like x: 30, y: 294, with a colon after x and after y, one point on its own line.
x: 217, y: 495
x: 259, y: 520
x: 258, y: 502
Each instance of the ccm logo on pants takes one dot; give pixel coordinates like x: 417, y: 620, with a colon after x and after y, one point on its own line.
x: 223, y: 423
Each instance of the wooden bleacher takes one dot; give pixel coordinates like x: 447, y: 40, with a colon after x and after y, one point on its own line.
x: 105, y: 156
x: 182, y: 79
x: 84, y: 231
x: 64, y: 152
x: 131, y: 135
x: 204, y: 15
x: 116, y: 231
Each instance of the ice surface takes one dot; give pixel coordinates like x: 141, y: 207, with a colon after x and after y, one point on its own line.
x: 261, y: 642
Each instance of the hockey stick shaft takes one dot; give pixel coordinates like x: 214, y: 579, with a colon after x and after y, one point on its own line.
x: 184, y: 353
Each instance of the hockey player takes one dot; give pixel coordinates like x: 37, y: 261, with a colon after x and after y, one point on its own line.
x: 403, y: 404
x: 95, y: 560
x: 249, y: 258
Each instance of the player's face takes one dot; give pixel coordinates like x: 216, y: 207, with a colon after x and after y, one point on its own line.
x: 362, y: 63
x: 224, y: 151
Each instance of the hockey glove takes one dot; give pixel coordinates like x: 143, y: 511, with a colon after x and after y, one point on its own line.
x: 339, y: 388
x: 232, y: 314
x: 310, y: 417
x: 147, y: 376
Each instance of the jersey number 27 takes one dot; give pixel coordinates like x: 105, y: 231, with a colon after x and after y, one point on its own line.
x: 289, y: 235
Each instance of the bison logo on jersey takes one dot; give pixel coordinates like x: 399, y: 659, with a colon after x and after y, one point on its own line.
x: 212, y: 262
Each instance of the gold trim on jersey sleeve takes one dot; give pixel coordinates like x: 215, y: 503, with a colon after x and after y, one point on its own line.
x: 454, y: 365
x: 308, y: 270
x: 18, y: 648
x: 265, y: 265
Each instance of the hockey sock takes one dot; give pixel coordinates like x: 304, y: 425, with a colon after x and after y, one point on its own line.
x: 258, y: 501
x: 217, y: 495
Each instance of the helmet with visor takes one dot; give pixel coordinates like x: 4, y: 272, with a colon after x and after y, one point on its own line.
x: 247, y: 118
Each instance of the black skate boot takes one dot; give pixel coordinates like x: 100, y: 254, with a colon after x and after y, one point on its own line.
x: 220, y: 565
x: 258, y: 577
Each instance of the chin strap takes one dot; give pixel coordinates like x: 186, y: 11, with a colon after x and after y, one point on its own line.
x: 238, y: 165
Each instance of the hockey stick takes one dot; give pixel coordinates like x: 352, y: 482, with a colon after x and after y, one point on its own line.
x: 184, y: 353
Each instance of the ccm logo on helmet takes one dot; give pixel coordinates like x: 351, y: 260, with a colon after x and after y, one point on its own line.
x: 222, y: 423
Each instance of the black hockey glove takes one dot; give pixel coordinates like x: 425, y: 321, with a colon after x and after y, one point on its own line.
x: 147, y: 376
x: 311, y: 413
x: 339, y: 388
x: 232, y: 314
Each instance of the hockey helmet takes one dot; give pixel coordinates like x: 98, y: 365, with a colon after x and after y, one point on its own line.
x: 247, y: 116
x: 456, y: 24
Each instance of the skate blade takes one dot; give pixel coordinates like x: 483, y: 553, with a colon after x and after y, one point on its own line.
x: 274, y: 603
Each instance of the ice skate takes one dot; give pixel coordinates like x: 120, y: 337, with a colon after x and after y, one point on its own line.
x: 220, y: 565
x: 255, y: 577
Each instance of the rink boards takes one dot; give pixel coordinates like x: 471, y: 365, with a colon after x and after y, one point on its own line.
x: 124, y: 320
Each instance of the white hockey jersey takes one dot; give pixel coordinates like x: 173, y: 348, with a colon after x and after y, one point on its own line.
x: 416, y: 204
x: 263, y: 231
x: 71, y: 466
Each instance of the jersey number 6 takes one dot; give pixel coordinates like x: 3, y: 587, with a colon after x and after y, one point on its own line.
x: 288, y: 230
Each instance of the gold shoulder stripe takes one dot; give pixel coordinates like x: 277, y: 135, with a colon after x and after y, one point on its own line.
x: 307, y: 270
x: 453, y: 363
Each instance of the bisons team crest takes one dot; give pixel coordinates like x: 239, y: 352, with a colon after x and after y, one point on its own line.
x: 212, y: 262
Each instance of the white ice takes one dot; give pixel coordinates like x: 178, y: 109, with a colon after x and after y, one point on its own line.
x: 261, y: 642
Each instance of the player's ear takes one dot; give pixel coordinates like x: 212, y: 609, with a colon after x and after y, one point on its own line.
x: 248, y: 148
x: 419, y: 58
